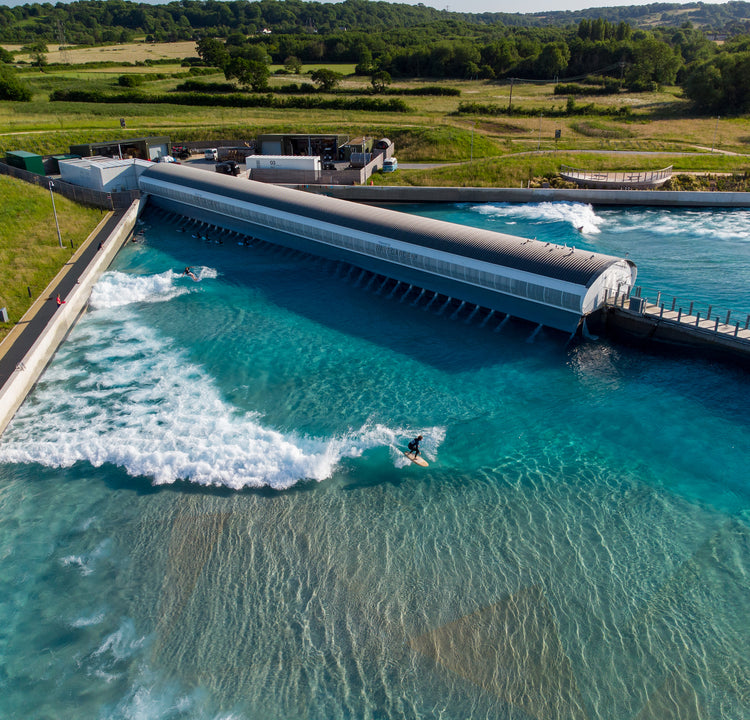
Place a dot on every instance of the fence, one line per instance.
(82, 195)
(644, 178)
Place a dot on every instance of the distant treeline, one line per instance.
(391, 40)
(395, 105)
(107, 21)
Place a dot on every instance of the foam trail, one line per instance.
(116, 289)
(143, 406)
(708, 223)
(581, 217)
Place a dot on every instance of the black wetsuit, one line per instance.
(414, 446)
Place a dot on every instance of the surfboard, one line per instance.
(418, 460)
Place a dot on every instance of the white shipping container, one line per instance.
(283, 162)
(103, 174)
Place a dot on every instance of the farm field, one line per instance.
(432, 131)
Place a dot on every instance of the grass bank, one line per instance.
(30, 255)
(521, 169)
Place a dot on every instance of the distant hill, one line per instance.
(98, 22)
(726, 18)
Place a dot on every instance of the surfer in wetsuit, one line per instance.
(189, 271)
(414, 445)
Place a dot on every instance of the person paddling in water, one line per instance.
(414, 445)
(189, 271)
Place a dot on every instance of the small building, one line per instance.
(146, 148)
(25, 161)
(103, 173)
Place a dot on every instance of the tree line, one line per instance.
(106, 21)
(388, 40)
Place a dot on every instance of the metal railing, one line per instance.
(82, 195)
(645, 177)
(673, 309)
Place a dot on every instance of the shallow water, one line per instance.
(204, 513)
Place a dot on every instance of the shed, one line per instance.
(25, 161)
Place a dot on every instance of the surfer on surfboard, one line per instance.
(189, 271)
(413, 452)
(414, 445)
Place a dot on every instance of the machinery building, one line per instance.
(146, 148)
(544, 283)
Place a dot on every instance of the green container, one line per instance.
(25, 161)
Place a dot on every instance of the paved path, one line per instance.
(25, 333)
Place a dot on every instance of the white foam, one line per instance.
(709, 223)
(88, 621)
(121, 644)
(142, 405)
(116, 289)
(581, 217)
(86, 562)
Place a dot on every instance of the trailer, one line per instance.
(283, 162)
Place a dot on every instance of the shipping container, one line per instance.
(283, 162)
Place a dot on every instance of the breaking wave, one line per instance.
(120, 393)
(581, 217)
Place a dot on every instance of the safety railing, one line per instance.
(673, 309)
(644, 177)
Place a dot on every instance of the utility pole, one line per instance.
(540, 133)
(510, 99)
(54, 212)
(716, 129)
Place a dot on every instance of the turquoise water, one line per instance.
(204, 514)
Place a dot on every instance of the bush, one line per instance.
(11, 88)
(130, 81)
(395, 105)
(206, 87)
(608, 87)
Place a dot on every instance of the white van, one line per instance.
(211, 154)
(390, 165)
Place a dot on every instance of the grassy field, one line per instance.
(432, 131)
(30, 254)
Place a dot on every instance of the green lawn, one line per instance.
(30, 254)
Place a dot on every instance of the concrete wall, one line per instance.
(14, 392)
(658, 198)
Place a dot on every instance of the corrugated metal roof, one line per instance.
(577, 266)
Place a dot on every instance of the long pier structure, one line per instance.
(544, 283)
